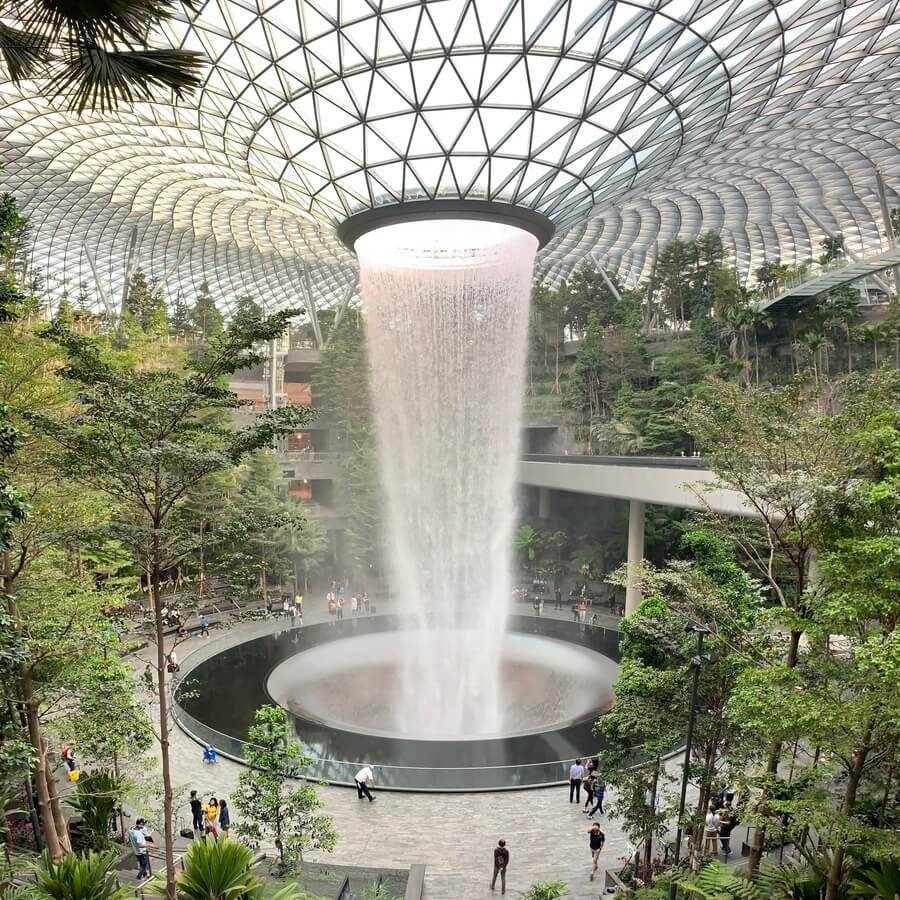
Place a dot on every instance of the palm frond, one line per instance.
(94, 21)
(95, 78)
(23, 52)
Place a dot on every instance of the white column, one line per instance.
(635, 550)
(273, 375)
(543, 503)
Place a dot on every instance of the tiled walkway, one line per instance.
(453, 834)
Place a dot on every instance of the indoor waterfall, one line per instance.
(446, 305)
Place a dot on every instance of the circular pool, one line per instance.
(336, 680)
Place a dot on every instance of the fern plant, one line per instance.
(96, 798)
(716, 881)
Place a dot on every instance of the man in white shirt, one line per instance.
(711, 833)
(364, 779)
(576, 775)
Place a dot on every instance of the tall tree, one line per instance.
(784, 452)
(206, 317)
(145, 438)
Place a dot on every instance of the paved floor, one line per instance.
(453, 834)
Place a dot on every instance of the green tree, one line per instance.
(145, 308)
(306, 548)
(206, 318)
(786, 452)
(340, 393)
(268, 798)
(144, 438)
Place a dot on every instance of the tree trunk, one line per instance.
(30, 707)
(756, 847)
(62, 828)
(202, 564)
(51, 836)
(836, 868)
(648, 844)
(156, 566)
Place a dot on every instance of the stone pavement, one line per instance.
(453, 834)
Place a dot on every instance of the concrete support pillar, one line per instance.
(543, 503)
(273, 375)
(635, 550)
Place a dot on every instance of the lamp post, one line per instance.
(696, 662)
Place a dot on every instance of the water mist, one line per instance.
(447, 313)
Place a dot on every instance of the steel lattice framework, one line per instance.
(628, 124)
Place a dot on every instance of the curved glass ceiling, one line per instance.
(627, 123)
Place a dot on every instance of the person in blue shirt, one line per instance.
(140, 845)
(204, 626)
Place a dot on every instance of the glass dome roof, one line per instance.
(627, 124)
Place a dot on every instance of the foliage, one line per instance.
(79, 876)
(269, 803)
(95, 55)
(97, 796)
(546, 890)
(342, 397)
(222, 870)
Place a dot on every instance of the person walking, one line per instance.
(196, 814)
(285, 608)
(576, 774)
(364, 779)
(149, 683)
(596, 838)
(340, 607)
(268, 606)
(354, 605)
(204, 626)
(501, 861)
(211, 812)
(224, 817)
(590, 788)
(711, 833)
(599, 791)
(140, 842)
(293, 614)
(365, 601)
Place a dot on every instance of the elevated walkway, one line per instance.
(840, 272)
(660, 481)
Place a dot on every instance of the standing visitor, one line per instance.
(366, 602)
(196, 814)
(148, 679)
(268, 606)
(501, 861)
(727, 823)
(576, 773)
(340, 607)
(68, 755)
(224, 817)
(211, 811)
(354, 605)
(172, 664)
(558, 597)
(711, 833)
(596, 838)
(285, 608)
(204, 626)
(293, 615)
(140, 846)
(364, 779)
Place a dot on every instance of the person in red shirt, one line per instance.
(501, 861)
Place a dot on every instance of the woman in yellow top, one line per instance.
(211, 815)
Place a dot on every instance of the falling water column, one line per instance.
(446, 315)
